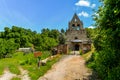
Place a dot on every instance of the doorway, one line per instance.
(77, 47)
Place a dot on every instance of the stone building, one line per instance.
(76, 37)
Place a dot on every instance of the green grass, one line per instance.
(16, 78)
(87, 55)
(9, 63)
(35, 72)
(28, 62)
(14, 69)
(45, 54)
(1, 69)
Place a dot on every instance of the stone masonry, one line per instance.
(76, 37)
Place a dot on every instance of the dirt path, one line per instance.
(70, 67)
(24, 74)
(8, 75)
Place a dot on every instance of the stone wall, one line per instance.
(77, 32)
(81, 34)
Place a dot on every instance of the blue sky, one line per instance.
(39, 14)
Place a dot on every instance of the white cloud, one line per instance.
(85, 3)
(93, 5)
(91, 27)
(85, 14)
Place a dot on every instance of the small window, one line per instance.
(76, 37)
(73, 25)
(75, 20)
(78, 24)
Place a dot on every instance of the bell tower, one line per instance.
(76, 37)
(75, 23)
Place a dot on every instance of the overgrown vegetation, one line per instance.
(28, 62)
(89, 54)
(106, 59)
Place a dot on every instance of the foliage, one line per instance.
(47, 39)
(13, 38)
(62, 31)
(91, 33)
(80, 51)
(7, 47)
(16, 78)
(89, 54)
(14, 69)
(106, 42)
(62, 38)
(9, 63)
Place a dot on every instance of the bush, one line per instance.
(91, 61)
(80, 51)
(114, 74)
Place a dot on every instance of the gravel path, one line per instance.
(70, 67)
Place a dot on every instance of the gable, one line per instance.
(75, 18)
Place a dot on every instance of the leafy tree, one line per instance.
(2, 48)
(7, 30)
(62, 31)
(62, 38)
(54, 34)
(107, 40)
(91, 33)
(13, 38)
(8, 47)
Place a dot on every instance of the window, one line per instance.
(76, 37)
(78, 24)
(73, 25)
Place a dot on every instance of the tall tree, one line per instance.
(62, 31)
(107, 40)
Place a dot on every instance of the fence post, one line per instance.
(39, 62)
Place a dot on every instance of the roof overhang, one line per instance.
(76, 41)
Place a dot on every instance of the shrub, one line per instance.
(80, 51)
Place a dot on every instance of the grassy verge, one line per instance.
(28, 62)
(9, 63)
(35, 72)
(87, 55)
(1, 69)
(16, 78)
(19, 59)
(14, 69)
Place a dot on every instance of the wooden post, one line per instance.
(39, 62)
(38, 56)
